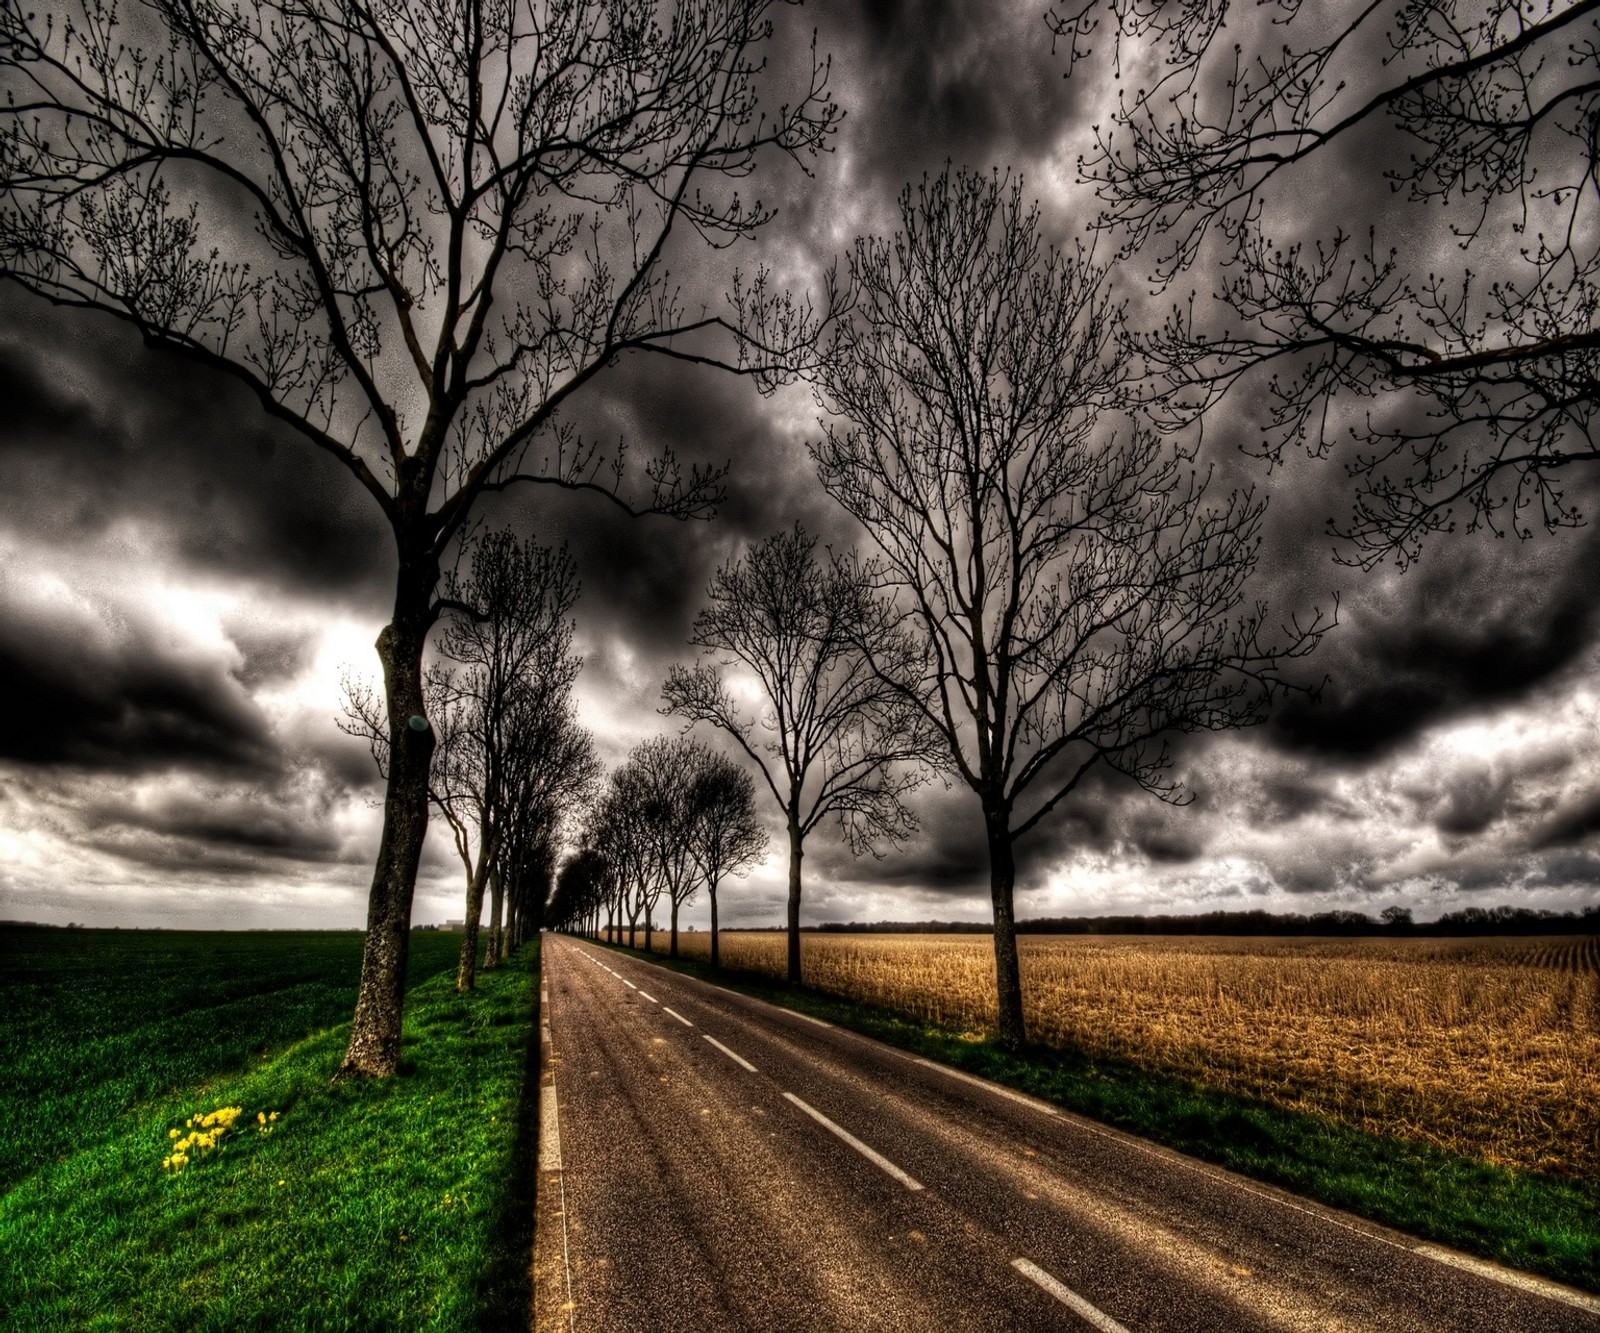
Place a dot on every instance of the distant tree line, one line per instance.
(1500, 920)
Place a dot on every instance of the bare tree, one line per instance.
(551, 773)
(622, 829)
(509, 635)
(1459, 350)
(843, 744)
(669, 770)
(582, 892)
(1055, 590)
(414, 230)
(726, 837)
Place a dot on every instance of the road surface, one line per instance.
(709, 1162)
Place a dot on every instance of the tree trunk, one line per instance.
(716, 953)
(1002, 882)
(374, 1048)
(491, 956)
(672, 952)
(796, 850)
(649, 929)
(467, 964)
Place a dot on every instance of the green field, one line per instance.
(405, 1203)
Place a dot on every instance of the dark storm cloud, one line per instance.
(1481, 623)
(121, 702)
(239, 829)
(105, 431)
(1576, 822)
(923, 83)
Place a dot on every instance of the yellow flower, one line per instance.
(261, 1117)
(172, 1133)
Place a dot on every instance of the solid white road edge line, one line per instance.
(1069, 1298)
(737, 1059)
(876, 1158)
(1512, 1278)
(549, 1130)
(678, 1016)
(987, 1086)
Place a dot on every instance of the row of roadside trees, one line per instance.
(415, 230)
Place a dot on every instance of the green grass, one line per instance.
(404, 1203)
(93, 1022)
(1539, 1223)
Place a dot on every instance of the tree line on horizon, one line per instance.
(416, 230)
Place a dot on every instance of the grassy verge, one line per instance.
(399, 1204)
(95, 1022)
(1539, 1223)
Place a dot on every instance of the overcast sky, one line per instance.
(182, 585)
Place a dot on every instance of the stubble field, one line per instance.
(1485, 1047)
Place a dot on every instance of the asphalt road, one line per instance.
(711, 1162)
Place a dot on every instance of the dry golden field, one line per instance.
(1486, 1047)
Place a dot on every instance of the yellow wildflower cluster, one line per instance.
(206, 1131)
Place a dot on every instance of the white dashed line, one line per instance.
(628, 984)
(876, 1158)
(646, 995)
(677, 1015)
(1069, 1298)
(737, 1059)
(797, 1014)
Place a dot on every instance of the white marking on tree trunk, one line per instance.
(876, 1158)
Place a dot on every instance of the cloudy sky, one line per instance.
(182, 585)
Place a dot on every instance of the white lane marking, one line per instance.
(549, 1130)
(677, 1015)
(737, 1059)
(1069, 1298)
(987, 1086)
(629, 984)
(876, 1158)
(646, 995)
(797, 1014)
(1522, 1281)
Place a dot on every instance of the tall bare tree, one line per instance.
(622, 827)
(726, 837)
(551, 774)
(414, 229)
(1055, 591)
(509, 636)
(1459, 350)
(510, 762)
(668, 771)
(843, 744)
